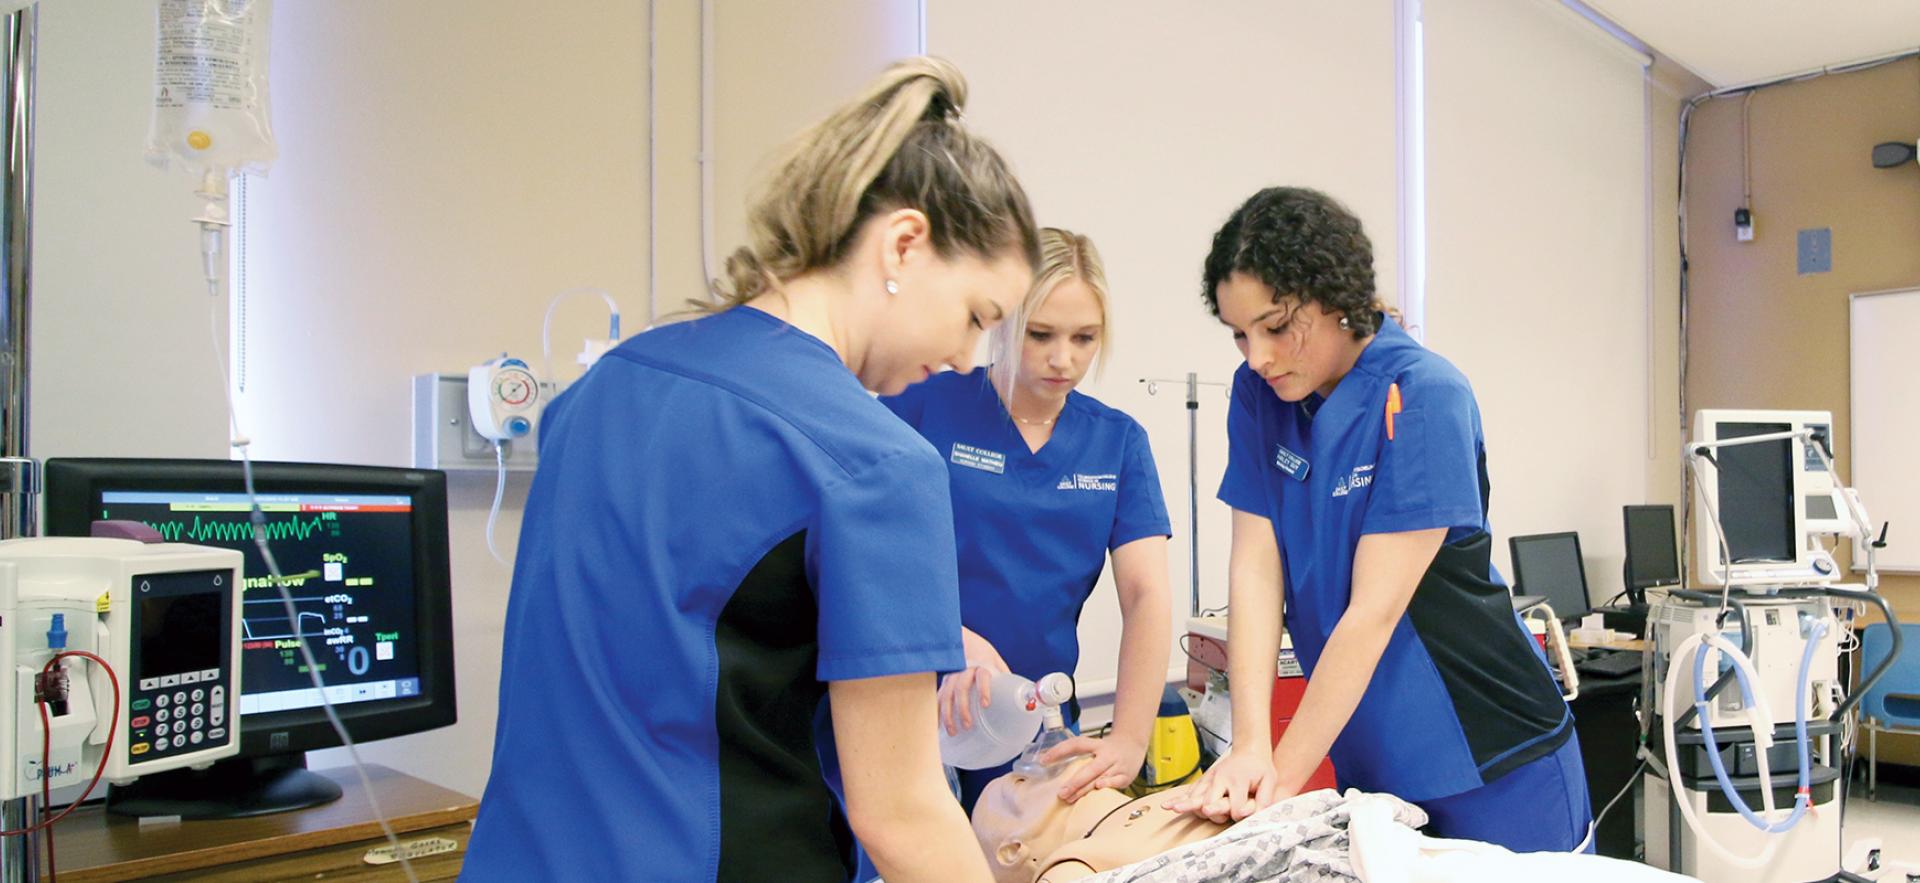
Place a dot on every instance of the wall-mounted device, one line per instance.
(504, 397)
(444, 436)
(1893, 154)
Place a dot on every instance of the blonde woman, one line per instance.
(1048, 483)
(726, 531)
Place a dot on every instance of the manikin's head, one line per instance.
(1020, 820)
(1030, 835)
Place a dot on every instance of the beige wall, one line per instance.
(1761, 335)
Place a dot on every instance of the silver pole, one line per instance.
(19, 856)
(1193, 488)
(1193, 477)
(18, 518)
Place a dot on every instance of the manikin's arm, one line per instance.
(897, 798)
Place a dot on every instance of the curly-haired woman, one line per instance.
(1357, 475)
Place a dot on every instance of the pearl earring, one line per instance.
(893, 287)
(1345, 325)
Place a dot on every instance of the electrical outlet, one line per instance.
(443, 433)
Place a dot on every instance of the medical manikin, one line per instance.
(1031, 836)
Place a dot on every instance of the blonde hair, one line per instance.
(1064, 255)
(900, 144)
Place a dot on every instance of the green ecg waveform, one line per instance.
(292, 527)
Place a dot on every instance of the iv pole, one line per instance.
(1193, 383)
(20, 855)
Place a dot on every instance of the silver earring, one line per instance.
(893, 287)
(1345, 325)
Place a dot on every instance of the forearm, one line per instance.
(1253, 650)
(897, 799)
(923, 835)
(1144, 647)
(1339, 680)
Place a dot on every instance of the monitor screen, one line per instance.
(1652, 559)
(348, 562)
(1549, 565)
(1756, 494)
(364, 551)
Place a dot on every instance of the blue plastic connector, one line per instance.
(57, 632)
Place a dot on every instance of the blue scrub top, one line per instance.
(1033, 528)
(1462, 694)
(722, 522)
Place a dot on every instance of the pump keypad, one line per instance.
(176, 713)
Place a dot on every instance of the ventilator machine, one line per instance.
(1749, 713)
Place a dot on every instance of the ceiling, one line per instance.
(1736, 42)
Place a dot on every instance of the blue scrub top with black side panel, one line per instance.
(1033, 528)
(1462, 694)
(722, 522)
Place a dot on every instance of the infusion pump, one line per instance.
(165, 616)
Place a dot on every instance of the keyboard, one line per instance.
(1607, 663)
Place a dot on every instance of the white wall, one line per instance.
(1144, 128)
(430, 197)
(1537, 269)
(121, 358)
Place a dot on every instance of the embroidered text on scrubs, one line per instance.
(1080, 482)
(1361, 477)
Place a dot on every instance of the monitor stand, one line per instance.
(1631, 618)
(229, 789)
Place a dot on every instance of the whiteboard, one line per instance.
(1885, 372)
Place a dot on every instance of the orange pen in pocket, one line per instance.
(1393, 407)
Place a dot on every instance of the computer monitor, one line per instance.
(364, 550)
(1549, 565)
(1652, 559)
(1770, 497)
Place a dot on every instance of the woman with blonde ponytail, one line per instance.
(1048, 484)
(728, 535)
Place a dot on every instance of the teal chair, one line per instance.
(1893, 705)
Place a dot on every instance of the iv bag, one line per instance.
(210, 86)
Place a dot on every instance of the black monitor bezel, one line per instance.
(1520, 578)
(1673, 547)
(72, 489)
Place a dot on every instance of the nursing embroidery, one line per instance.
(979, 458)
(1359, 478)
(1081, 482)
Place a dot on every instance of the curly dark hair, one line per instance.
(1301, 243)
